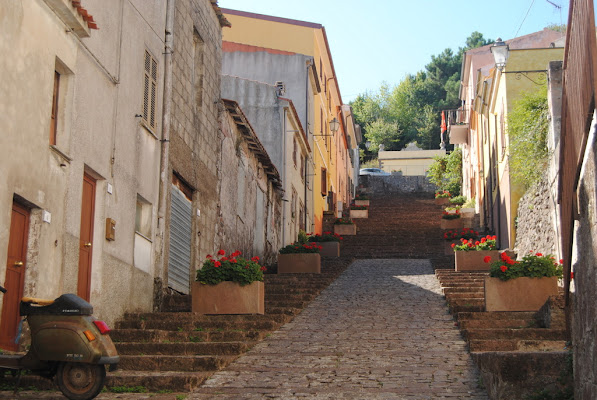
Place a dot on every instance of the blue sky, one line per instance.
(382, 41)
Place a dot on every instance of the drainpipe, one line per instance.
(306, 134)
(284, 180)
(165, 149)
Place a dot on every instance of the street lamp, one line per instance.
(367, 144)
(334, 125)
(500, 51)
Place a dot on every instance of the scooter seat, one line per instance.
(41, 302)
(66, 304)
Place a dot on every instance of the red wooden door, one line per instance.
(86, 238)
(14, 281)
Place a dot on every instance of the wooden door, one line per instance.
(14, 280)
(86, 238)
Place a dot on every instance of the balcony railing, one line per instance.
(457, 125)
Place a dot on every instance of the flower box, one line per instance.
(519, 294)
(359, 213)
(362, 203)
(299, 263)
(442, 200)
(467, 212)
(228, 298)
(345, 229)
(329, 249)
(452, 223)
(474, 260)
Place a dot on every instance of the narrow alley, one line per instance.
(382, 330)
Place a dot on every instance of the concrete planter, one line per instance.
(459, 134)
(442, 200)
(362, 203)
(300, 263)
(359, 213)
(473, 260)
(452, 224)
(329, 249)
(467, 212)
(228, 298)
(519, 294)
(345, 229)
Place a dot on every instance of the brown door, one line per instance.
(86, 238)
(14, 280)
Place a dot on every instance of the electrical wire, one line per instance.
(524, 19)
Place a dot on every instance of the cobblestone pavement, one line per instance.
(380, 331)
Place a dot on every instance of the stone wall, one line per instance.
(396, 184)
(584, 324)
(535, 223)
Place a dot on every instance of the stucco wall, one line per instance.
(383, 185)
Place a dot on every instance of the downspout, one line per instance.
(165, 149)
(285, 181)
(307, 134)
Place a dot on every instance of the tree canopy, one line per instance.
(410, 111)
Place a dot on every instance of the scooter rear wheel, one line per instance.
(80, 381)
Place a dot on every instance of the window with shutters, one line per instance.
(198, 69)
(150, 91)
(321, 120)
(303, 168)
(54, 119)
(181, 217)
(294, 148)
(301, 216)
(293, 204)
(324, 184)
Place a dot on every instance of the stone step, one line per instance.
(460, 289)
(526, 334)
(493, 315)
(268, 324)
(496, 324)
(159, 336)
(156, 381)
(189, 348)
(195, 363)
(476, 295)
(478, 345)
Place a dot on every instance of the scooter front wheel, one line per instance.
(80, 381)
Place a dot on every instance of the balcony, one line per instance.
(458, 125)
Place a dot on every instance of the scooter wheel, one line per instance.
(80, 381)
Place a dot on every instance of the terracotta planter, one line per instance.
(442, 200)
(305, 263)
(519, 294)
(452, 223)
(362, 203)
(329, 249)
(345, 229)
(473, 260)
(228, 298)
(359, 213)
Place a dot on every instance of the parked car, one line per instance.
(373, 171)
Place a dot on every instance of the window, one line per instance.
(303, 162)
(325, 84)
(321, 120)
(301, 216)
(150, 88)
(143, 217)
(320, 68)
(198, 69)
(293, 204)
(324, 182)
(294, 151)
(54, 120)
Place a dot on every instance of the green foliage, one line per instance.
(343, 221)
(532, 266)
(361, 197)
(302, 237)
(446, 172)
(325, 237)
(458, 200)
(448, 216)
(486, 243)
(230, 269)
(355, 207)
(528, 126)
(298, 248)
(127, 389)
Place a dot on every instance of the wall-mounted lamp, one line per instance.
(501, 52)
(334, 125)
(368, 144)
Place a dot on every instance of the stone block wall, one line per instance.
(394, 184)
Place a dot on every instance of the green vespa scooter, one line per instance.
(67, 344)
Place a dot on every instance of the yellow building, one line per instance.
(490, 93)
(330, 159)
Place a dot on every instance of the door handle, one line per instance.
(87, 244)
(18, 263)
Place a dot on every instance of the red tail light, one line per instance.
(103, 327)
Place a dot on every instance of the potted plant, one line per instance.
(458, 200)
(329, 242)
(452, 209)
(454, 236)
(361, 200)
(451, 220)
(523, 285)
(344, 227)
(359, 211)
(442, 197)
(473, 255)
(468, 209)
(229, 285)
(299, 258)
